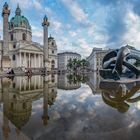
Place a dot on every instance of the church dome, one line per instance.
(18, 20)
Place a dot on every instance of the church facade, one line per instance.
(17, 48)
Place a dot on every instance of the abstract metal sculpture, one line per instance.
(120, 62)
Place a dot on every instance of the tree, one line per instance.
(77, 64)
(84, 63)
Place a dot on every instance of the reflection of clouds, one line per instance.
(82, 97)
(55, 115)
(37, 106)
(137, 105)
(79, 113)
(132, 124)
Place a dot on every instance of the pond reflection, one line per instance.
(64, 82)
(70, 106)
(18, 94)
(119, 95)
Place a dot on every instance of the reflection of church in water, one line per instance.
(18, 95)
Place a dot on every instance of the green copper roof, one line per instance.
(18, 20)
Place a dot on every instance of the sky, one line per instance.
(80, 25)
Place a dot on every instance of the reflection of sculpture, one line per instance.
(118, 95)
(117, 62)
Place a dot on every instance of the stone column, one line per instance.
(34, 60)
(29, 84)
(19, 59)
(39, 59)
(5, 14)
(29, 61)
(45, 116)
(45, 25)
(24, 59)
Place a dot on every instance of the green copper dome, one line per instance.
(19, 21)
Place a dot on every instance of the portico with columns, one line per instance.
(29, 56)
(29, 59)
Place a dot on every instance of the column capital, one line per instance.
(5, 9)
(45, 21)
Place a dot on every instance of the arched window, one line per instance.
(11, 37)
(53, 64)
(14, 46)
(24, 105)
(23, 36)
(14, 57)
(12, 25)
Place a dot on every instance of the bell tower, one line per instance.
(5, 48)
(45, 25)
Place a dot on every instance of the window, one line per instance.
(52, 43)
(14, 85)
(12, 25)
(53, 64)
(14, 46)
(11, 37)
(24, 105)
(14, 57)
(12, 105)
(53, 52)
(23, 36)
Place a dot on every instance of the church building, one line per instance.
(17, 49)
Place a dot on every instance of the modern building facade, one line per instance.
(96, 57)
(17, 48)
(63, 59)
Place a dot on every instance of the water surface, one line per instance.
(68, 107)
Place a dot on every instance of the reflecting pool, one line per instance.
(69, 107)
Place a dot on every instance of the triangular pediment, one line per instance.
(31, 47)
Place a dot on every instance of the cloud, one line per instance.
(37, 34)
(56, 25)
(86, 48)
(48, 11)
(26, 4)
(75, 10)
(72, 33)
(62, 43)
(132, 35)
(36, 4)
(23, 4)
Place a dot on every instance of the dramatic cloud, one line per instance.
(132, 35)
(37, 34)
(79, 25)
(28, 3)
(75, 10)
